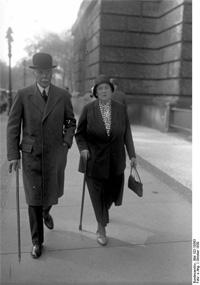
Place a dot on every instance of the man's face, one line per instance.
(43, 76)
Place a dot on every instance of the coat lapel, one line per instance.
(36, 98)
(114, 112)
(98, 116)
(53, 98)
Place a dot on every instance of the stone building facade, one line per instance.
(147, 46)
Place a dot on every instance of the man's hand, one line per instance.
(85, 154)
(13, 165)
(66, 145)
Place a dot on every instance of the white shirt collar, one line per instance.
(41, 89)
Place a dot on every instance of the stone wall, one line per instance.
(142, 45)
(86, 46)
(147, 45)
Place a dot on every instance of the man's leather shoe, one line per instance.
(36, 251)
(48, 221)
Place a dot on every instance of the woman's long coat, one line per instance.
(43, 127)
(107, 153)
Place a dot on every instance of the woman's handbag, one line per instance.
(134, 183)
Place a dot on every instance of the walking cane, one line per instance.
(18, 212)
(83, 196)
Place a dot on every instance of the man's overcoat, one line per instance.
(43, 128)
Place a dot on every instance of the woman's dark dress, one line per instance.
(107, 161)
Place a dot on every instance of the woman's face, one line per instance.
(104, 92)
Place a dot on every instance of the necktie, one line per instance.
(44, 95)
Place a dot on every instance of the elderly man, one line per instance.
(40, 129)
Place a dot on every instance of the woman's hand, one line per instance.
(85, 154)
(13, 165)
(133, 162)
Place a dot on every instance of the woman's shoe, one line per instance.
(101, 238)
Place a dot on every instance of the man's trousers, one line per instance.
(36, 215)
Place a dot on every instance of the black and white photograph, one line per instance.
(99, 142)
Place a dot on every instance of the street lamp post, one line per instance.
(24, 73)
(10, 39)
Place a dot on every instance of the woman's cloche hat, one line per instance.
(42, 60)
(102, 78)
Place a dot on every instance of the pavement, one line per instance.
(149, 238)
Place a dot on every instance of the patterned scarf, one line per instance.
(106, 115)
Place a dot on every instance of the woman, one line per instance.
(102, 134)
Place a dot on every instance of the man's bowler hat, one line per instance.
(42, 60)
